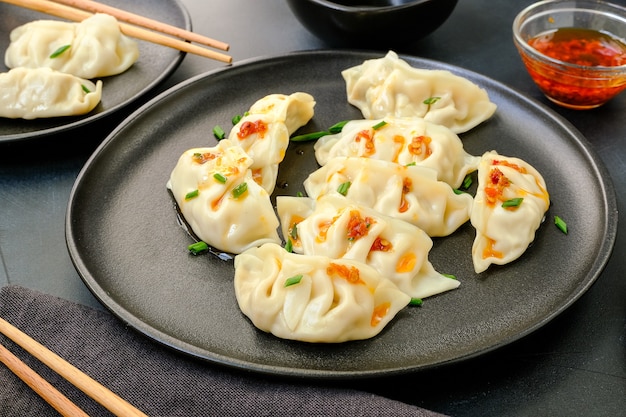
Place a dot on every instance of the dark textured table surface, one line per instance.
(575, 365)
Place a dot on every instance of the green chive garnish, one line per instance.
(343, 188)
(560, 223)
(514, 202)
(59, 51)
(336, 128)
(218, 132)
(289, 246)
(449, 276)
(198, 247)
(293, 280)
(299, 194)
(294, 231)
(236, 119)
(467, 182)
(431, 100)
(416, 302)
(411, 164)
(239, 190)
(379, 125)
(192, 194)
(85, 89)
(219, 178)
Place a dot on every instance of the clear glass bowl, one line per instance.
(565, 83)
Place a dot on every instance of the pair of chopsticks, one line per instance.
(56, 399)
(78, 10)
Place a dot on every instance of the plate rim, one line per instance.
(596, 268)
(88, 119)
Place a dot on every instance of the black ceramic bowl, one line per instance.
(371, 23)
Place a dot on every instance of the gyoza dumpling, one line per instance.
(219, 199)
(404, 141)
(510, 204)
(264, 132)
(389, 86)
(335, 227)
(31, 93)
(313, 298)
(410, 193)
(95, 47)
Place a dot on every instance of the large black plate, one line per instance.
(155, 64)
(125, 241)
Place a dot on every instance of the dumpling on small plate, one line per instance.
(335, 227)
(314, 298)
(510, 205)
(389, 86)
(404, 141)
(31, 93)
(265, 129)
(219, 199)
(409, 193)
(93, 48)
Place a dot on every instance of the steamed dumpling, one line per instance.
(95, 47)
(409, 193)
(264, 132)
(31, 93)
(504, 233)
(331, 301)
(404, 141)
(219, 199)
(335, 227)
(389, 86)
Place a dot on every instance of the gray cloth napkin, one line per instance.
(157, 380)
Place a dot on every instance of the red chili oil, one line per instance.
(586, 48)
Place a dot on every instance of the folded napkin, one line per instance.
(157, 380)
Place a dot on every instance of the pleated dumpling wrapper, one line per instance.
(90, 49)
(314, 298)
(409, 193)
(265, 130)
(510, 205)
(389, 86)
(404, 141)
(31, 93)
(335, 227)
(220, 200)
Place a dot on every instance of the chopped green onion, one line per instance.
(59, 51)
(294, 231)
(239, 190)
(379, 125)
(431, 100)
(198, 247)
(293, 280)
(218, 132)
(192, 194)
(236, 119)
(219, 178)
(337, 127)
(411, 164)
(457, 191)
(85, 89)
(560, 223)
(449, 276)
(467, 182)
(289, 246)
(416, 302)
(514, 202)
(309, 136)
(343, 188)
(299, 194)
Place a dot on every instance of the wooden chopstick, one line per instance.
(135, 19)
(42, 387)
(75, 376)
(70, 13)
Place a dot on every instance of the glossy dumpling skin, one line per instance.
(333, 226)
(389, 86)
(264, 132)
(503, 234)
(409, 193)
(335, 300)
(97, 47)
(31, 93)
(404, 141)
(216, 215)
